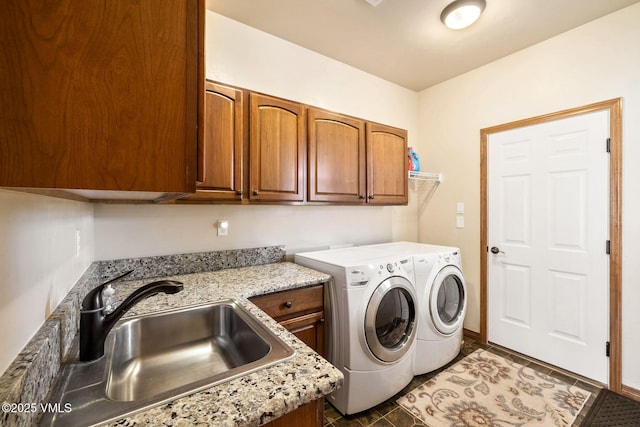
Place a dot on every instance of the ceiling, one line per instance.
(403, 41)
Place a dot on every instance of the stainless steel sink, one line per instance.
(155, 358)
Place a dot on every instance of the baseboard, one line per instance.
(631, 392)
(471, 334)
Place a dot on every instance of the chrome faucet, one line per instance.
(95, 323)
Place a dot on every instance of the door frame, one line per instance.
(615, 222)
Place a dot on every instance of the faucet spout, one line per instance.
(95, 324)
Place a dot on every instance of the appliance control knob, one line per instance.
(390, 268)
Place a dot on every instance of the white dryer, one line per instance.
(442, 300)
(372, 319)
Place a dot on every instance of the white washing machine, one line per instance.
(442, 301)
(372, 319)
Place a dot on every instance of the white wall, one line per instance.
(595, 62)
(243, 56)
(38, 262)
(140, 230)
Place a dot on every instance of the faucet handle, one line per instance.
(93, 300)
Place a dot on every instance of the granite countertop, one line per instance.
(255, 398)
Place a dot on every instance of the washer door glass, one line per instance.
(448, 300)
(390, 319)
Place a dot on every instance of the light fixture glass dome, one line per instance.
(462, 13)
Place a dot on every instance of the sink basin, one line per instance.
(155, 358)
(154, 354)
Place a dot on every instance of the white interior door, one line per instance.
(548, 207)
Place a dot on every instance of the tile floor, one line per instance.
(390, 414)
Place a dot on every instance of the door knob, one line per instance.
(496, 250)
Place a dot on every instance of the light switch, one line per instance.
(460, 221)
(460, 207)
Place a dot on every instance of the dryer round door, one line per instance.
(448, 300)
(390, 319)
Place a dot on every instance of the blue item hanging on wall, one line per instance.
(414, 160)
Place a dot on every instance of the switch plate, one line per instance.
(460, 221)
(223, 227)
(460, 207)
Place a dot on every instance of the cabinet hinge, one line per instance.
(608, 145)
(607, 350)
(608, 247)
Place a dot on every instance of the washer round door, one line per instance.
(390, 319)
(448, 300)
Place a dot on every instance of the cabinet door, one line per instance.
(220, 151)
(101, 95)
(277, 149)
(386, 165)
(336, 157)
(309, 329)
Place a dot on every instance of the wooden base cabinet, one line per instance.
(309, 415)
(301, 311)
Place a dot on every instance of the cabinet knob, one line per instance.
(371, 197)
(239, 192)
(288, 304)
(255, 192)
(361, 196)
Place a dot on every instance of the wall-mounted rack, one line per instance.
(425, 184)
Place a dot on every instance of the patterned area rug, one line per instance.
(486, 390)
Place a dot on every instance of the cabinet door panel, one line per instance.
(336, 158)
(277, 149)
(220, 153)
(387, 164)
(309, 329)
(100, 95)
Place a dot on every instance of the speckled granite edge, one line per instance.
(256, 398)
(30, 376)
(168, 265)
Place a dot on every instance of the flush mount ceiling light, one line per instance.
(462, 13)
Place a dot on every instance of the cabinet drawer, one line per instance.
(282, 305)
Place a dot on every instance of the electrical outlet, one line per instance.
(223, 227)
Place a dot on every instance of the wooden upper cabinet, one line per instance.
(220, 151)
(336, 157)
(277, 149)
(387, 165)
(101, 95)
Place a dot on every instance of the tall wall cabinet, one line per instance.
(101, 95)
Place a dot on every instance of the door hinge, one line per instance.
(607, 350)
(608, 145)
(608, 247)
